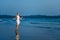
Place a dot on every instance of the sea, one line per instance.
(30, 28)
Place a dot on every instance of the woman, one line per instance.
(17, 20)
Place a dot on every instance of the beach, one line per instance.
(30, 29)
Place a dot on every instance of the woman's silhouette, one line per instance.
(17, 20)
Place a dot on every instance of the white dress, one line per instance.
(18, 20)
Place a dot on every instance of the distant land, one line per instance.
(31, 16)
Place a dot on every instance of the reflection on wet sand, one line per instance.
(16, 27)
(17, 35)
(16, 32)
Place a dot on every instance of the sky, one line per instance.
(30, 7)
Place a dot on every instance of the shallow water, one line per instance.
(30, 29)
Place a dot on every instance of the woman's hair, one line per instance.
(17, 13)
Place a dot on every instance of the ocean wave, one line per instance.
(30, 16)
(55, 28)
